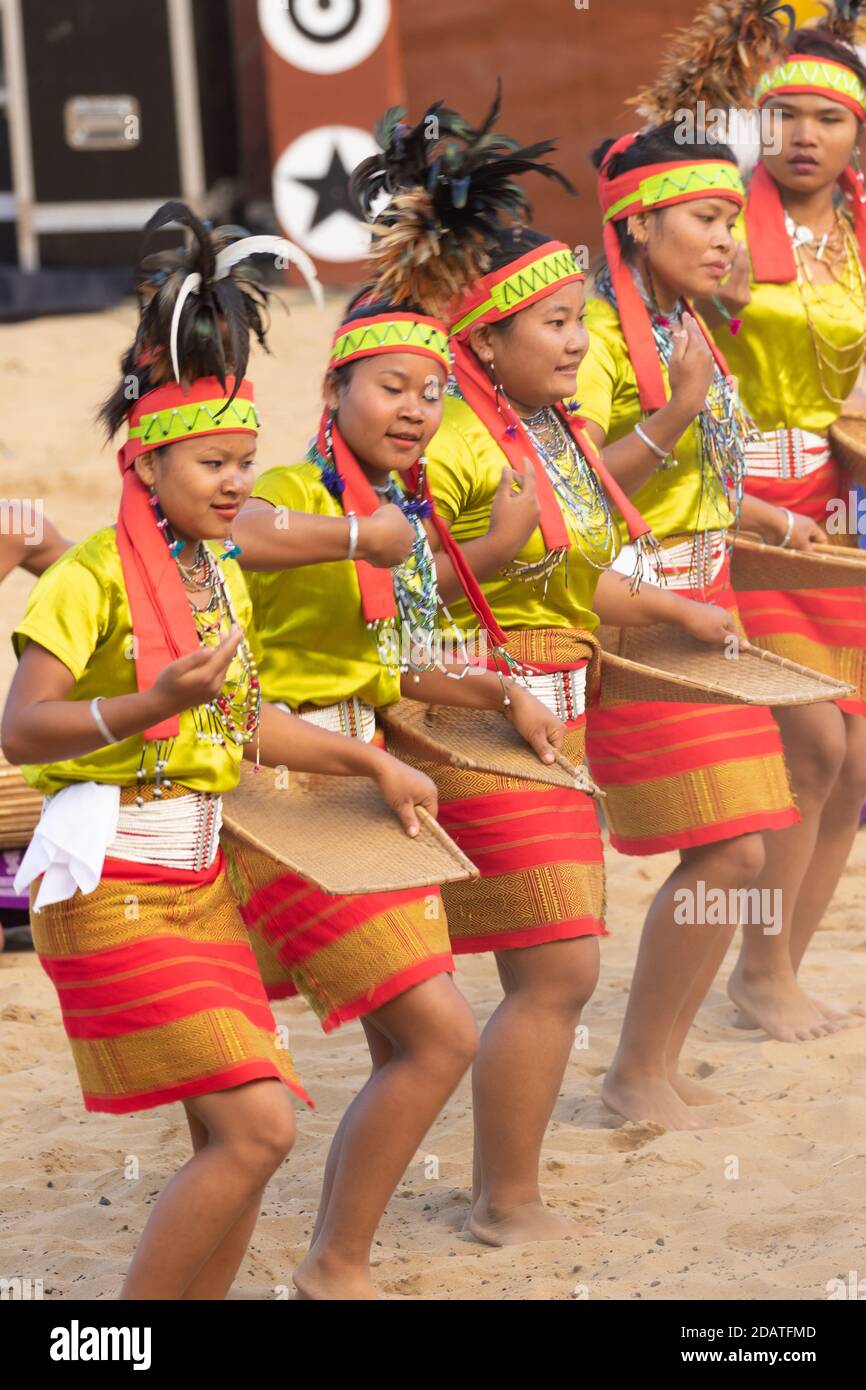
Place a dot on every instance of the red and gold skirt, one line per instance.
(346, 955)
(679, 775)
(821, 628)
(538, 847)
(159, 989)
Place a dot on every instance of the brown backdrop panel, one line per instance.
(331, 112)
(565, 72)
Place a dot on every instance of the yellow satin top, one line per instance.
(316, 646)
(671, 502)
(464, 467)
(774, 356)
(79, 611)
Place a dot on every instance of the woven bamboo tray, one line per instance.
(20, 807)
(660, 663)
(848, 438)
(755, 565)
(337, 833)
(479, 740)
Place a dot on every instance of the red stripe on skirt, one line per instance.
(526, 830)
(649, 741)
(693, 735)
(301, 919)
(707, 835)
(236, 1075)
(829, 617)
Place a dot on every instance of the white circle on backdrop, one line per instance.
(324, 36)
(340, 236)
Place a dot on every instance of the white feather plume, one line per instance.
(282, 250)
(190, 286)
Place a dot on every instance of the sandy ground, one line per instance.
(764, 1203)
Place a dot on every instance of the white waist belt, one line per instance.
(695, 563)
(691, 563)
(787, 454)
(563, 692)
(181, 832)
(85, 823)
(352, 717)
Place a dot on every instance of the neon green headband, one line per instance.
(200, 417)
(674, 183)
(803, 75)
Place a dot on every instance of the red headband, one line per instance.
(524, 281)
(633, 313)
(162, 624)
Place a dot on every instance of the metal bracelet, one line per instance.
(100, 722)
(661, 454)
(789, 532)
(354, 528)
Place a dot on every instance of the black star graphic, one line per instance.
(331, 190)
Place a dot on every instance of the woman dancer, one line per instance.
(517, 339)
(797, 353)
(135, 698)
(705, 780)
(385, 958)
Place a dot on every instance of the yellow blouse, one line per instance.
(316, 646)
(79, 611)
(774, 356)
(464, 469)
(671, 502)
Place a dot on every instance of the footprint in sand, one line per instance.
(634, 1136)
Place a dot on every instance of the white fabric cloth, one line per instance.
(69, 844)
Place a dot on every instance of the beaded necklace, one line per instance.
(416, 592)
(840, 249)
(233, 716)
(576, 486)
(722, 427)
(577, 489)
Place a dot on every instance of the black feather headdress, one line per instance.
(437, 197)
(843, 19)
(198, 305)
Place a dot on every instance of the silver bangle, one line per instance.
(354, 528)
(100, 722)
(661, 454)
(789, 532)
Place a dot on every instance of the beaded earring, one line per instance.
(174, 546)
(330, 474)
(500, 397)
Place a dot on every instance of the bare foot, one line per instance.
(321, 1279)
(693, 1093)
(777, 1004)
(646, 1097)
(534, 1221)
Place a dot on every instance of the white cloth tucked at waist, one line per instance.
(84, 824)
(563, 692)
(788, 454)
(352, 717)
(690, 564)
